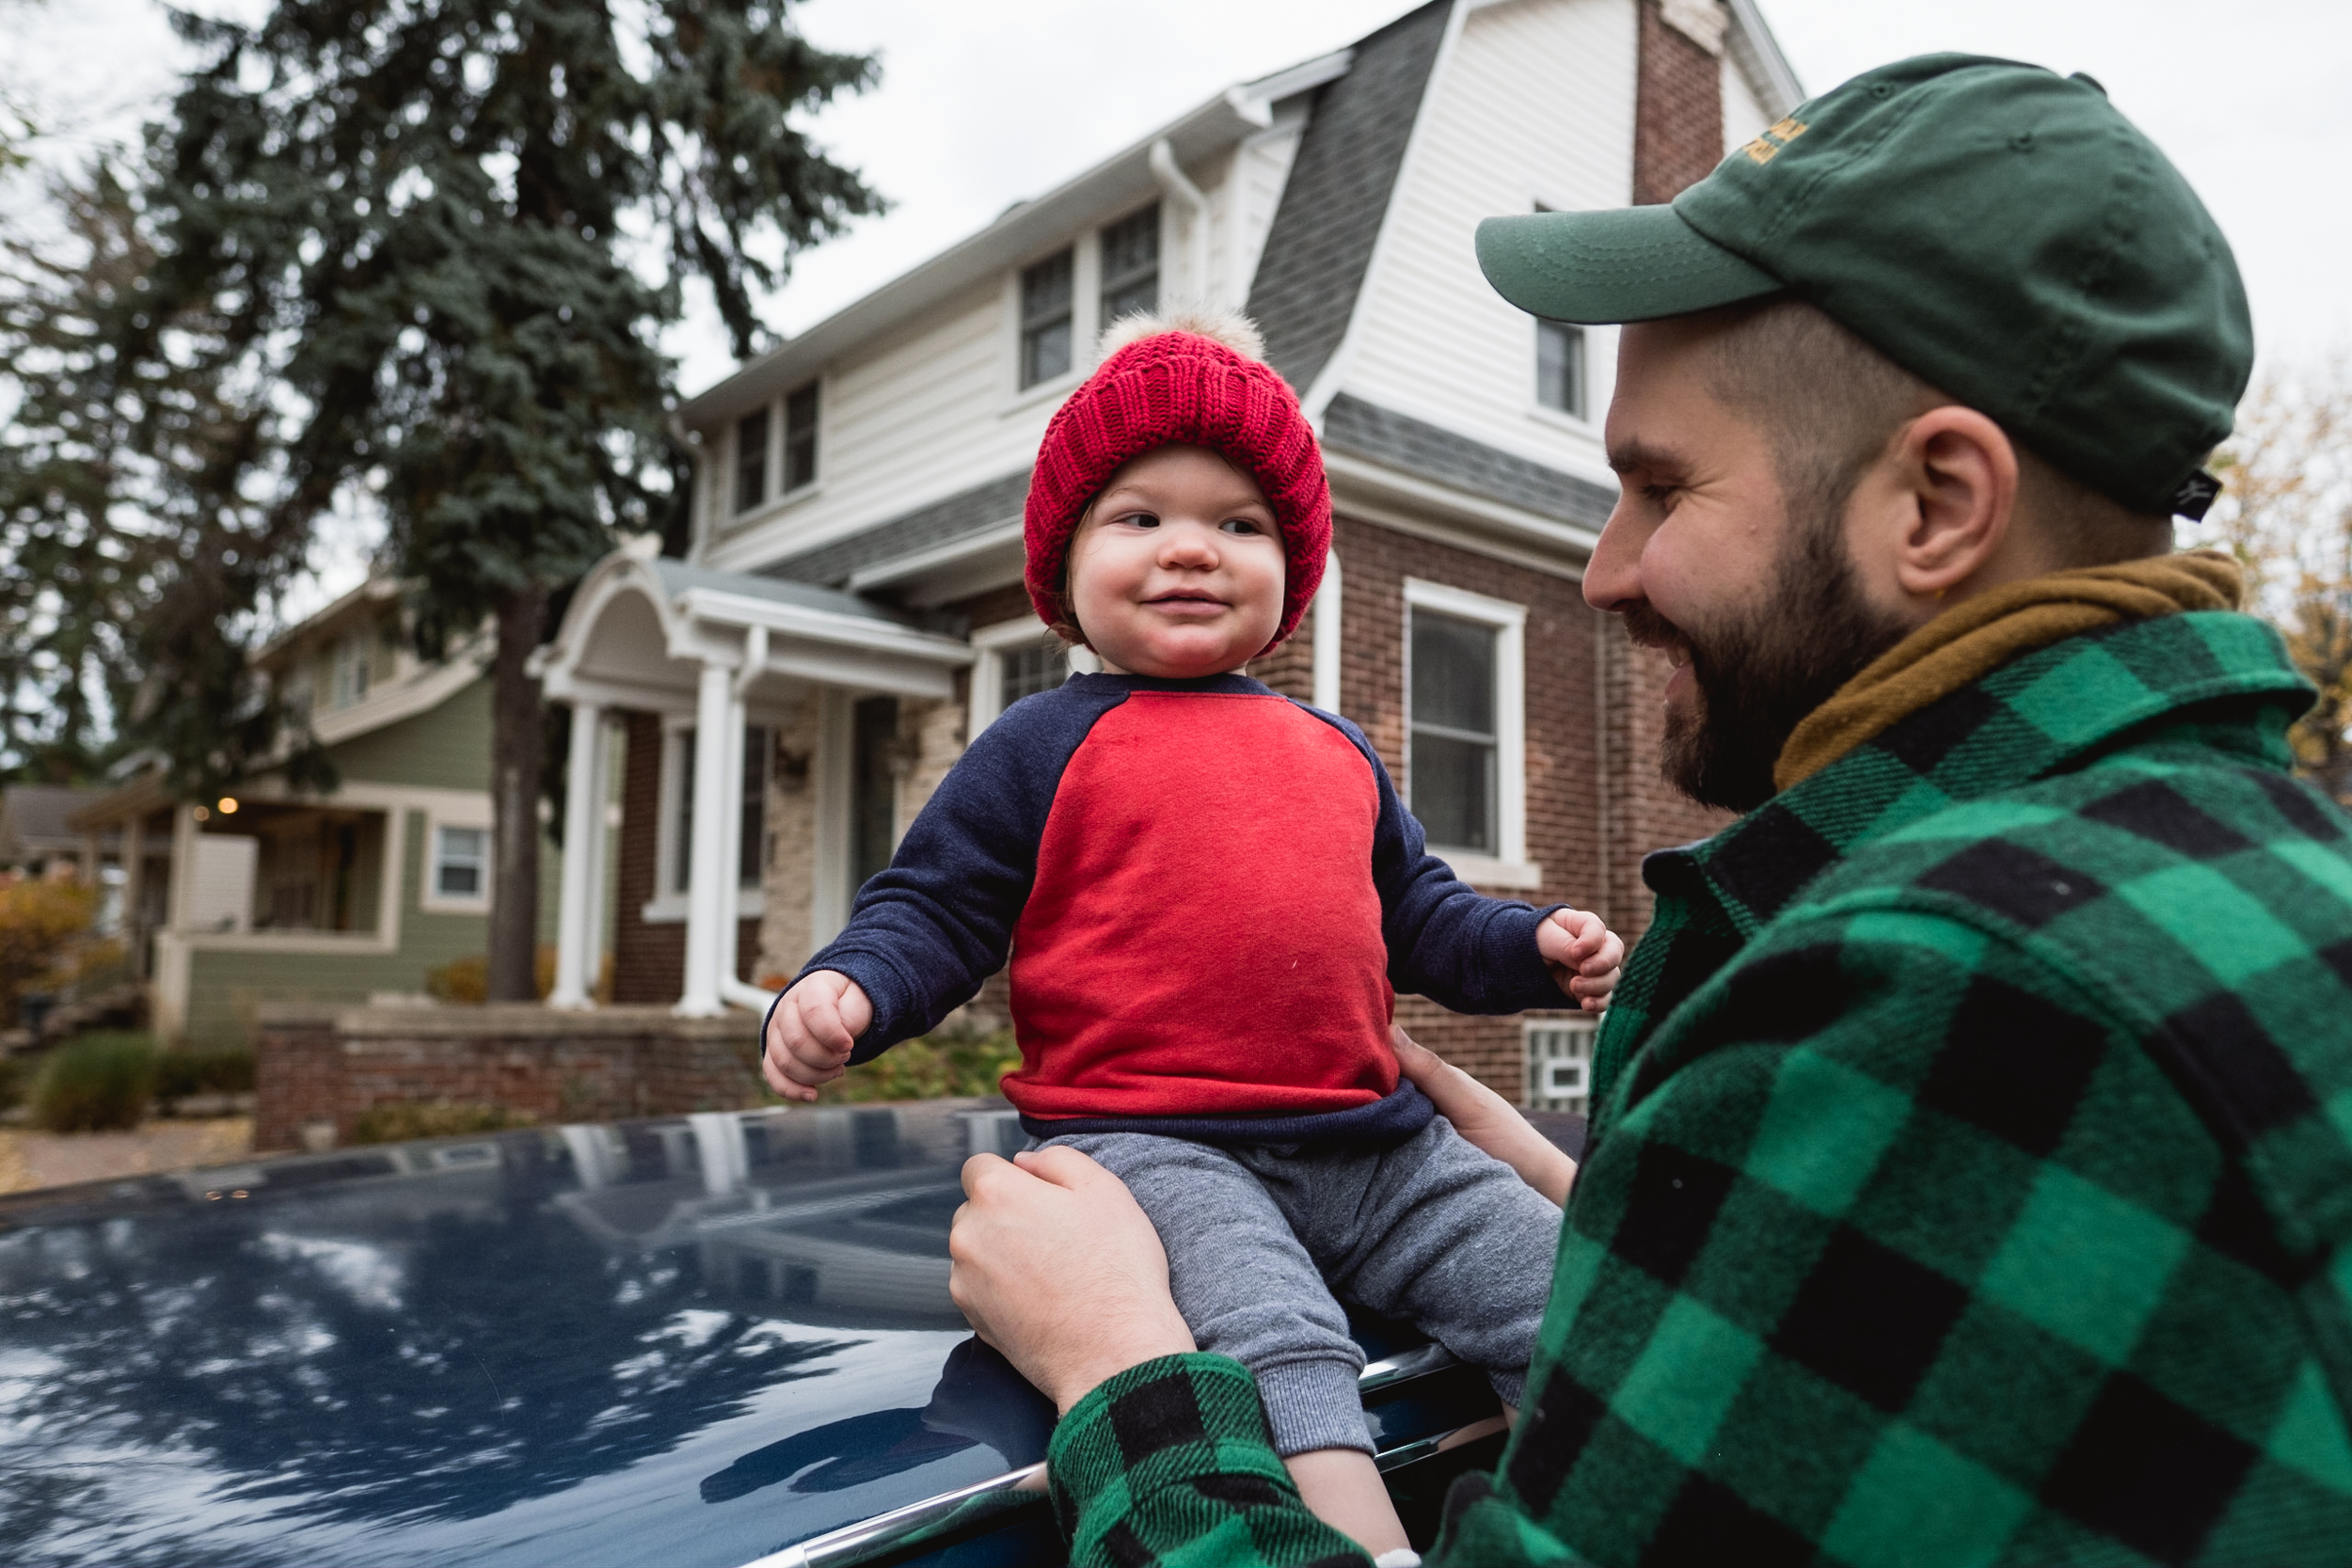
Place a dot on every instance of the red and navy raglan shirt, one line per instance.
(1210, 895)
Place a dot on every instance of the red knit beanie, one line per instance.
(1184, 380)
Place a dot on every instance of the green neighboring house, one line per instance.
(270, 897)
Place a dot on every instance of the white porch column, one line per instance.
(584, 814)
(1328, 645)
(706, 868)
(134, 891)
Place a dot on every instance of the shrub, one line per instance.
(38, 922)
(95, 1082)
(182, 1073)
(936, 1067)
(12, 1076)
(467, 979)
(393, 1121)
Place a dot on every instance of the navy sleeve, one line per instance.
(1446, 941)
(924, 933)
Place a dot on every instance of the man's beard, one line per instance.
(1755, 679)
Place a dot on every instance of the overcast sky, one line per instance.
(982, 104)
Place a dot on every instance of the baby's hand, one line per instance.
(1583, 954)
(811, 1033)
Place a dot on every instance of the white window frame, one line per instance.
(1583, 422)
(988, 667)
(1509, 867)
(1546, 1041)
(668, 905)
(1086, 283)
(824, 404)
(430, 898)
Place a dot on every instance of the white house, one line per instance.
(782, 701)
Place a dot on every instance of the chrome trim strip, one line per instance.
(886, 1532)
(1025, 1488)
(1396, 1369)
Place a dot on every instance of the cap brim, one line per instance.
(1630, 264)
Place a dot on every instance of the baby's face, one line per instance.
(1177, 571)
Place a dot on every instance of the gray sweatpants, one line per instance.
(1433, 1232)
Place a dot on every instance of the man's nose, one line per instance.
(1612, 577)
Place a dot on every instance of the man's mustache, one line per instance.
(1649, 629)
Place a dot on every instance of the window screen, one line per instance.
(1045, 294)
(752, 851)
(1038, 667)
(459, 862)
(1451, 767)
(682, 868)
(1131, 265)
(873, 790)
(800, 437)
(751, 460)
(1560, 367)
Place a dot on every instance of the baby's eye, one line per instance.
(1140, 519)
(1243, 525)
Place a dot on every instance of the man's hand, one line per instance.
(1057, 1266)
(812, 1032)
(1486, 1119)
(1583, 954)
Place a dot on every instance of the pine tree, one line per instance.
(445, 235)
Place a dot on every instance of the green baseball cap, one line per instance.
(1997, 230)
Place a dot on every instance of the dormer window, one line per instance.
(799, 438)
(1560, 367)
(1045, 323)
(1131, 265)
(751, 460)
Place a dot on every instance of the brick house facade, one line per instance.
(849, 610)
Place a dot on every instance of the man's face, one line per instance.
(1749, 590)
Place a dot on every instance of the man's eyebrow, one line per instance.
(1625, 456)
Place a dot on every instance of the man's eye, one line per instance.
(1661, 496)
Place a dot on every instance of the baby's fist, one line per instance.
(811, 1033)
(1583, 954)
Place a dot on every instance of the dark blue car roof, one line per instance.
(687, 1341)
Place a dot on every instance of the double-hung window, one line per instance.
(751, 460)
(751, 850)
(1131, 265)
(461, 857)
(799, 438)
(1560, 367)
(1016, 659)
(1046, 326)
(1466, 730)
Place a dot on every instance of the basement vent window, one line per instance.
(1045, 321)
(1560, 1062)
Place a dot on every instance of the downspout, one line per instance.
(1186, 194)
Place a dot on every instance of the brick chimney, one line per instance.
(1677, 97)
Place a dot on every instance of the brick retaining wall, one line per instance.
(329, 1065)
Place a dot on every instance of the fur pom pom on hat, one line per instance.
(1190, 379)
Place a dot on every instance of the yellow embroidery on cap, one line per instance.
(1767, 146)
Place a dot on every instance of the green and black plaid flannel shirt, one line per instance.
(1972, 1183)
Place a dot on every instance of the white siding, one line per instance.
(1532, 107)
(1744, 114)
(932, 408)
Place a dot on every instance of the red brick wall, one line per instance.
(649, 958)
(1563, 775)
(554, 1067)
(1678, 110)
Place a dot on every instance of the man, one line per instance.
(1969, 1180)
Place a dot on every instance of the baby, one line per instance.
(1210, 895)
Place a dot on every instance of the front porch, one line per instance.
(766, 738)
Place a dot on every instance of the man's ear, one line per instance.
(1960, 472)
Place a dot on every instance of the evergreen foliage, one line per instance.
(419, 247)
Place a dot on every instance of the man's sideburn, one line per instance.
(1756, 678)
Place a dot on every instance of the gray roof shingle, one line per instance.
(1351, 424)
(1320, 245)
(966, 512)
